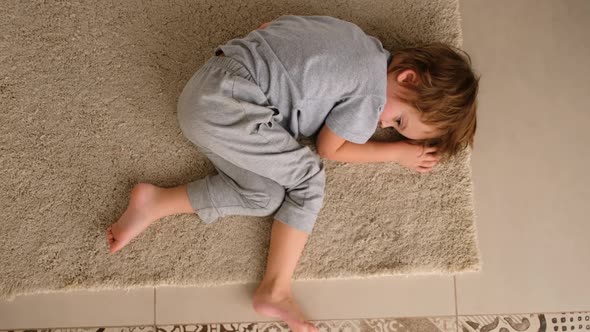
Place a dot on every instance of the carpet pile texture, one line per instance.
(88, 97)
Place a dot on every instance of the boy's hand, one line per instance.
(264, 25)
(416, 157)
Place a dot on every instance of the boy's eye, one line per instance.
(398, 120)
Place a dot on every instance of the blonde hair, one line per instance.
(445, 95)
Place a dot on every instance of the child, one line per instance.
(304, 75)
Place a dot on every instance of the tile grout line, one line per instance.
(456, 305)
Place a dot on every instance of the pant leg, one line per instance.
(226, 112)
(233, 191)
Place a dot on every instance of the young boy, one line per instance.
(304, 75)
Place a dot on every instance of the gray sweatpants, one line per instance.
(260, 167)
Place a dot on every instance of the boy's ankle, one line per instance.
(275, 288)
(170, 201)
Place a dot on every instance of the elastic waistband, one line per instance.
(230, 65)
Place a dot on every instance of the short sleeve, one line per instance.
(355, 118)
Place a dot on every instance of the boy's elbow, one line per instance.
(332, 155)
(326, 154)
(323, 154)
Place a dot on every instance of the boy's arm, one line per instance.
(370, 152)
(331, 146)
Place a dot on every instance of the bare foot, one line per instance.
(281, 306)
(136, 218)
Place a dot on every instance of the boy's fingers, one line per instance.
(429, 158)
(427, 151)
(433, 156)
(428, 163)
(431, 149)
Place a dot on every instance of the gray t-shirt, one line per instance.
(317, 69)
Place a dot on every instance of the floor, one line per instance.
(531, 193)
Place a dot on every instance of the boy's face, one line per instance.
(401, 116)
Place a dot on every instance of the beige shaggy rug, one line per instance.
(88, 109)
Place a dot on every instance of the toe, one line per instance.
(112, 247)
(116, 246)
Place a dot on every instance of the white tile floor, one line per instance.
(529, 165)
(531, 193)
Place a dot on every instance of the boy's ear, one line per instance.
(408, 76)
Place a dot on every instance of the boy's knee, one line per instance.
(184, 122)
(191, 122)
(263, 202)
(268, 202)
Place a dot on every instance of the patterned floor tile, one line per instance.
(546, 322)
(116, 329)
(92, 329)
(539, 322)
(348, 325)
(221, 327)
(426, 324)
